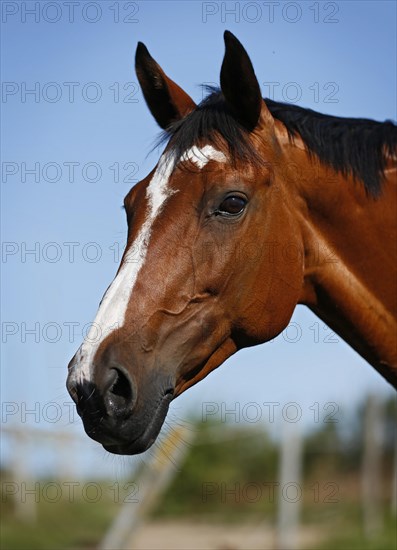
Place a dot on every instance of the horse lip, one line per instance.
(144, 440)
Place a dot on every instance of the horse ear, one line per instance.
(166, 100)
(239, 84)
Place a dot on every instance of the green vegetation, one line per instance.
(225, 478)
(350, 536)
(59, 525)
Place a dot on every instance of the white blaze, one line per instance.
(201, 157)
(113, 308)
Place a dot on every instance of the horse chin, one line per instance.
(138, 446)
(146, 439)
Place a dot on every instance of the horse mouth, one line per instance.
(146, 438)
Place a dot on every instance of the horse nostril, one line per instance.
(121, 386)
(119, 396)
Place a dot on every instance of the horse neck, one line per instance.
(350, 269)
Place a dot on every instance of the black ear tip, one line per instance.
(141, 51)
(229, 38)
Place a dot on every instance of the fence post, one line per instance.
(290, 495)
(372, 465)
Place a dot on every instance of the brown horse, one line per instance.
(254, 206)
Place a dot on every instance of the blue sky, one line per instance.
(87, 132)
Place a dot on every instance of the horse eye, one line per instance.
(232, 205)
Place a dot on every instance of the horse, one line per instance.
(255, 206)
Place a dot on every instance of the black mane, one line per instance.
(352, 146)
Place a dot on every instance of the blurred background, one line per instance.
(291, 444)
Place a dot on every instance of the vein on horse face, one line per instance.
(113, 308)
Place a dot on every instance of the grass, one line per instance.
(350, 536)
(59, 525)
